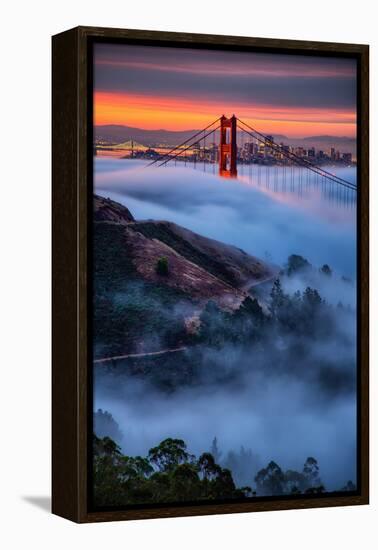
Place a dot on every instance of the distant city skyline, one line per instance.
(180, 89)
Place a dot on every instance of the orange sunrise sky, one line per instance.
(184, 89)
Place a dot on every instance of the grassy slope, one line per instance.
(166, 235)
(128, 310)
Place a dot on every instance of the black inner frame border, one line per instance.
(91, 41)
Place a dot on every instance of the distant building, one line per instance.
(347, 157)
(213, 153)
(249, 150)
(268, 149)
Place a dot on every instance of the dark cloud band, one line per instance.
(293, 81)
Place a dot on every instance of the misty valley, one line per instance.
(224, 338)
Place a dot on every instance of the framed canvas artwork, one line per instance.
(210, 274)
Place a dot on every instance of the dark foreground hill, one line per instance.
(139, 307)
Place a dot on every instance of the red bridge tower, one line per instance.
(227, 147)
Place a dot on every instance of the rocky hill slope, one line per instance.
(199, 267)
(138, 308)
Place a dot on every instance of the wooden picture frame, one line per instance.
(71, 252)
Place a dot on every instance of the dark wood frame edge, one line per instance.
(69, 273)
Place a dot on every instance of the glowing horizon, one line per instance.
(151, 113)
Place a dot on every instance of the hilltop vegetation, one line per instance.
(127, 309)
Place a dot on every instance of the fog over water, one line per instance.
(281, 416)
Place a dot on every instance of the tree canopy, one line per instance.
(169, 473)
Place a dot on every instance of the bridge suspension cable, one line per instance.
(188, 147)
(183, 147)
(292, 156)
(182, 144)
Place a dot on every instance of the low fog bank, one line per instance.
(281, 420)
(261, 221)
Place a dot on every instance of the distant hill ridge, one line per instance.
(118, 134)
(127, 145)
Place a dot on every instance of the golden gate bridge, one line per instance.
(227, 157)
